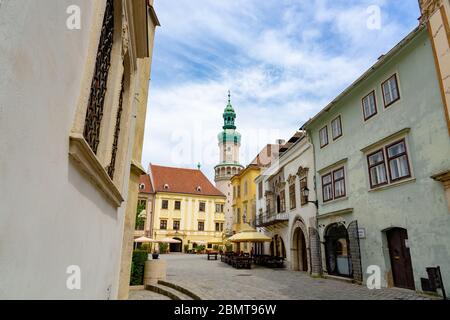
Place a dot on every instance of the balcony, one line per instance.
(268, 219)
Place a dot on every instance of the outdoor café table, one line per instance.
(212, 254)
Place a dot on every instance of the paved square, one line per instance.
(215, 280)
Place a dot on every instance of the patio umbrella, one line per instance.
(168, 240)
(249, 235)
(145, 240)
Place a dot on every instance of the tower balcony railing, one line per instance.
(267, 219)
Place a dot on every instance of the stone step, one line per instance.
(179, 288)
(172, 293)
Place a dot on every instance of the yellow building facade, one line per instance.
(244, 199)
(187, 207)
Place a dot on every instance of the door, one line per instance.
(399, 253)
(304, 256)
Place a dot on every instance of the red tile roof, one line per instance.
(145, 180)
(179, 180)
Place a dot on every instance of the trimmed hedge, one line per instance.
(137, 267)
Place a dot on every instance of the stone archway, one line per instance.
(300, 247)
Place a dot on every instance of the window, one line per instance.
(238, 216)
(245, 188)
(244, 216)
(390, 91)
(217, 227)
(336, 128)
(219, 208)
(377, 169)
(369, 104)
(282, 201)
(165, 204)
(95, 108)
(260, 190)
(163, 224)
(202, 207)
(339, 183)
(398, 161)
(292, 200)
(177, 205)
(238, 191)
(201, 226)
(333, 185)
(176, 225)
(303, 185)
(221, 227)
(141, 186)
(323, 136)
(327, 187)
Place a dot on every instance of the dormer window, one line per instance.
(141, 186)
(199, 189)
(166, 187)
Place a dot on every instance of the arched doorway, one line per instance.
(337, 250)
(300, 259)
(400, 256)
(176, 247)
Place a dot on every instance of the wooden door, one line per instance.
(399, 253)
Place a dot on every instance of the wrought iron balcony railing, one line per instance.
(268, 219)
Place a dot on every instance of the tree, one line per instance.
(139, 221)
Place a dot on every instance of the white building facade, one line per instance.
(284, 213)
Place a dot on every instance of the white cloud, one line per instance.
(283, 61)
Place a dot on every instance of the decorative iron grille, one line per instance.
(112, 165)
(94, 111)
(355, 253)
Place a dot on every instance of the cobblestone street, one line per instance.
(215, 280)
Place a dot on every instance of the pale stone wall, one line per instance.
(52, 216)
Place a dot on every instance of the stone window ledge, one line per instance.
(86, 160)
(393, 185)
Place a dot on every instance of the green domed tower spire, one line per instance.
(229, 115)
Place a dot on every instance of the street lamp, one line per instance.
(305, 195)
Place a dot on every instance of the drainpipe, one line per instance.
(317, 207)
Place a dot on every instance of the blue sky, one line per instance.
(283, 61)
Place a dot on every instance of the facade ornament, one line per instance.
(125, 36)
(428, 8)
(291, 179)
(302, 172)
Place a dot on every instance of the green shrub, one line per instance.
(228, 247)
(215, 247)
(137, 267)
(186, 248)
(200, 248)
(163, 248)
(146, 247)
